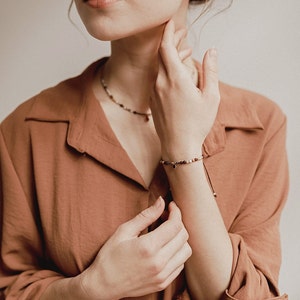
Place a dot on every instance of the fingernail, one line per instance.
(158, 202)
(173, 203)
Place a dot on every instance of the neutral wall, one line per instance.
(259, 49)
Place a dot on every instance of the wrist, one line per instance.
(67, 288)
(179, 154)
(92, 287)
(80, 289)
(83, 284)
(174, 164)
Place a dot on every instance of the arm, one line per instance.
(255, 232)
(254, 235)
(209, 268)
(212, 267)
(189, 112)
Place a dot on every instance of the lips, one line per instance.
(99, 3)
(92, 3)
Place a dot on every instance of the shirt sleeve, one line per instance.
(255, 233)
(24, 273)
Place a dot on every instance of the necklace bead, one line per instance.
(111, 97)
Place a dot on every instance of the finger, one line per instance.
(179, 37)
(168, 50)
(210, 73)
(174, 210)
(162, 72)
(160, 82)
(163, 284)
(177, 261)
(175, 245)
(167, 231)
(185, 53)
(144, 219)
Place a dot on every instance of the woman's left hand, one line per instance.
(183, 114)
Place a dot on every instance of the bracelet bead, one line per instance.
(175, 164)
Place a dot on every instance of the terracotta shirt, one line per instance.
(66, 184)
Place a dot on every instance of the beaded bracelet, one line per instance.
(175, 164)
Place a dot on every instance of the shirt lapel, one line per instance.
(89, 132)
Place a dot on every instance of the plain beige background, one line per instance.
(259, 49)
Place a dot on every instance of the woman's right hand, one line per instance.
(131, 264)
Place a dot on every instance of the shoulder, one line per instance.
(15, 126)
(57, 103)
(246, 104)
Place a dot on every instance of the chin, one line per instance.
(103, 35)
(117, 22)
(102, 31)
(113, 32)
(107, 35)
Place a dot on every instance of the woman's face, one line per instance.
(115, 19)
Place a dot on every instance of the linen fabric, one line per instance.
(66, 184)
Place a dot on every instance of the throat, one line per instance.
(128, 84)
(145, 115)
(141, 143)
(137, 137)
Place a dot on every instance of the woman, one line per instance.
(143, 177)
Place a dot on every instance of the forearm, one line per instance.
(209, 268)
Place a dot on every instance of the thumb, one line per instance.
(135, 226)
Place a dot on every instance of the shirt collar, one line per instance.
(236, 111)
(89, 132)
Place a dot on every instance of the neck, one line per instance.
(132, 67)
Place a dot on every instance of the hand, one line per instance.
(131, 264)
(183, 115)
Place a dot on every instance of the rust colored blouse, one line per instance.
(66, 184)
